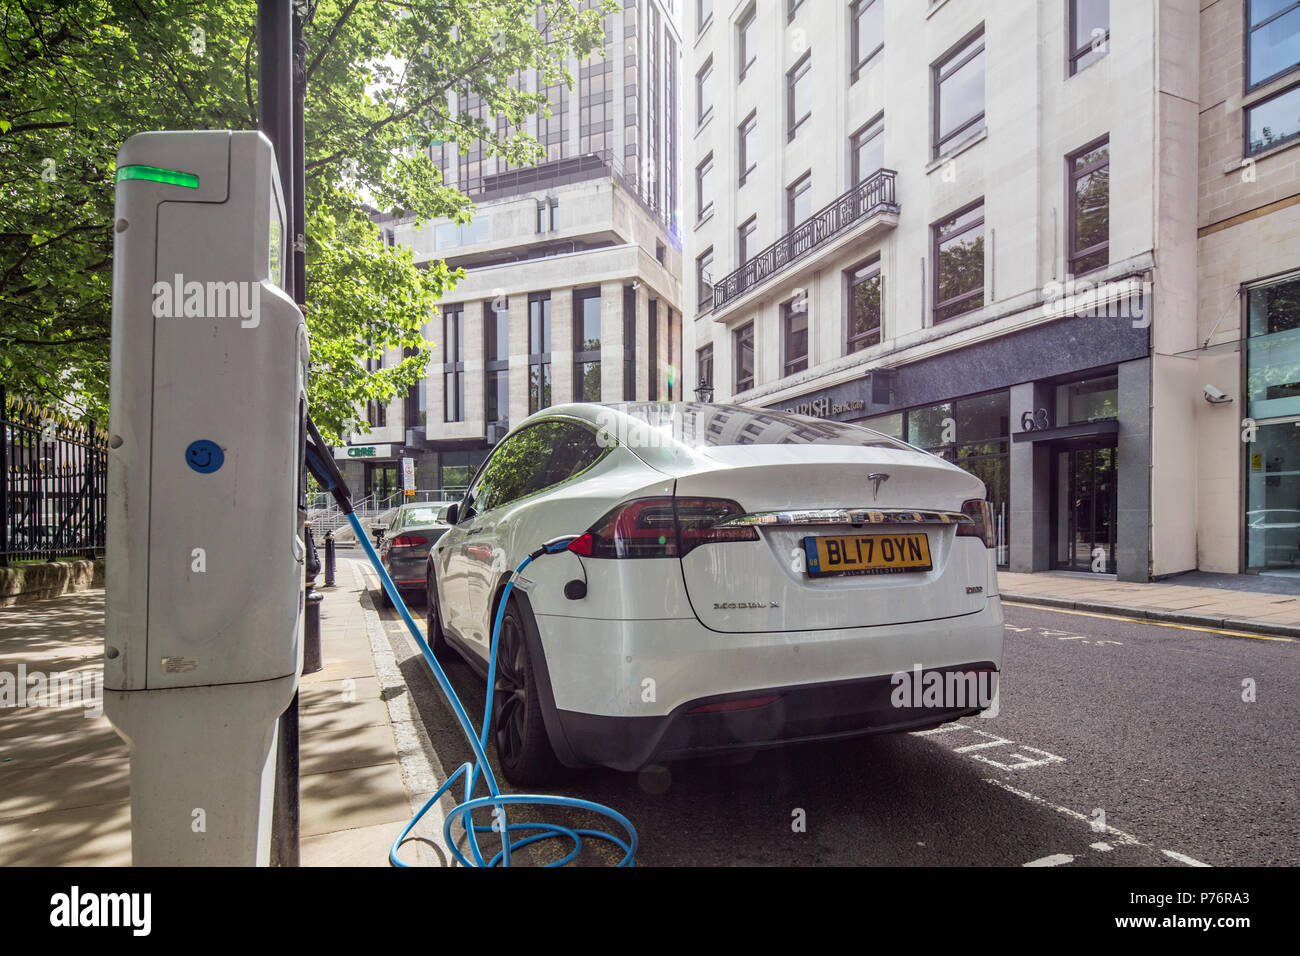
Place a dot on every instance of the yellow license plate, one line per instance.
(867, 554)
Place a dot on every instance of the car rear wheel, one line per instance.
(433, 632)
(520, 733)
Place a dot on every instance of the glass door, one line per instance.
(383, 479)
(1273, 498)
(1085, 485)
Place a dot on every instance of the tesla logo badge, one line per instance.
(877, 480)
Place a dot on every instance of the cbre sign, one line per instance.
(364, 451)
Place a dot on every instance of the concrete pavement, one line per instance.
(1230, 608)
(65, 774)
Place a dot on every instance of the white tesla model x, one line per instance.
(740, 578)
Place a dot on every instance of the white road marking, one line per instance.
(1119, 836)
(1101, 847)
(1025, 761)
(1056, 859)
(993, 741)
(1181, 858)
(946, 728)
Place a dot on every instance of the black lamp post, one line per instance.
(704, 393)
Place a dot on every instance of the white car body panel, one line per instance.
(665, 619)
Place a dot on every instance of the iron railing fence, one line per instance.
(55, 488)
(874, 194)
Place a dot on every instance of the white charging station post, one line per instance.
(203, 641)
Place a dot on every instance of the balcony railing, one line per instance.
(873, 195)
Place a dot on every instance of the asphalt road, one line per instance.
(1115, 743)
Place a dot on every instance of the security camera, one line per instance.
(1214, 396)
(636, 285)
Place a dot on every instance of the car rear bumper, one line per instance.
(627, 693)
(775, 717)
(407, 571)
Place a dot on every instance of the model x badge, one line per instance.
(877, 480)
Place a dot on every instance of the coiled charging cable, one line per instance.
(513, 836)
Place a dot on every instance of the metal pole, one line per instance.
(331, 558)
(299, 160)
(311, 650)
(275, 117)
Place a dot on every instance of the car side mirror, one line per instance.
(453, 512)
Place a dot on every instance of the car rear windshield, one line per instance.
(412, 516)
(698, 426)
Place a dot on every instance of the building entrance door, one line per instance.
(1084, 485)
(383, 479)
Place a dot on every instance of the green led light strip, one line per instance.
(171, 176)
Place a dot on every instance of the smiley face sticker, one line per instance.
(204, 456)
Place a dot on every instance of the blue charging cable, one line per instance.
(513, 836)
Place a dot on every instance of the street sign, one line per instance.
(408, 476)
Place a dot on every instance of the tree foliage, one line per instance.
(83, 76)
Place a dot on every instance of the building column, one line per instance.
(611, 341)
(561, 346)
(1133, 481)
(518, 358)
(474, 401)
(1031, 492)
(642, 342)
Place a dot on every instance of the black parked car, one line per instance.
(404, 547)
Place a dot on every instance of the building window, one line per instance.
(1273, 328)
(376, 412)
(704, 277)
(867, 149)
(959, 95)
(743, 352)
(496, 362)
(745, 150)
(539, 351)
(629, 344)
(794, 335)
(553, 129)
(586, 345)
(652, 332)
(703, 14)
(413, 414)
(866, 34)
(548, 214)
(745, 240)
(865, 286)
(704, 92)
(1090, 208)
(1089, 32)
(798, 200)
(747, 40)
(704, 365)
(798, 95)
(595, 107)
(1273, 40)
(1273, 121)
(958, 254)
(972, 433)
(453, 369)
(704, 187)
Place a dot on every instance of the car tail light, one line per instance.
(661, 528)
(981, 513)
(409, 541)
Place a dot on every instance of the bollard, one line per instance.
(331, 557)
(311, 648)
